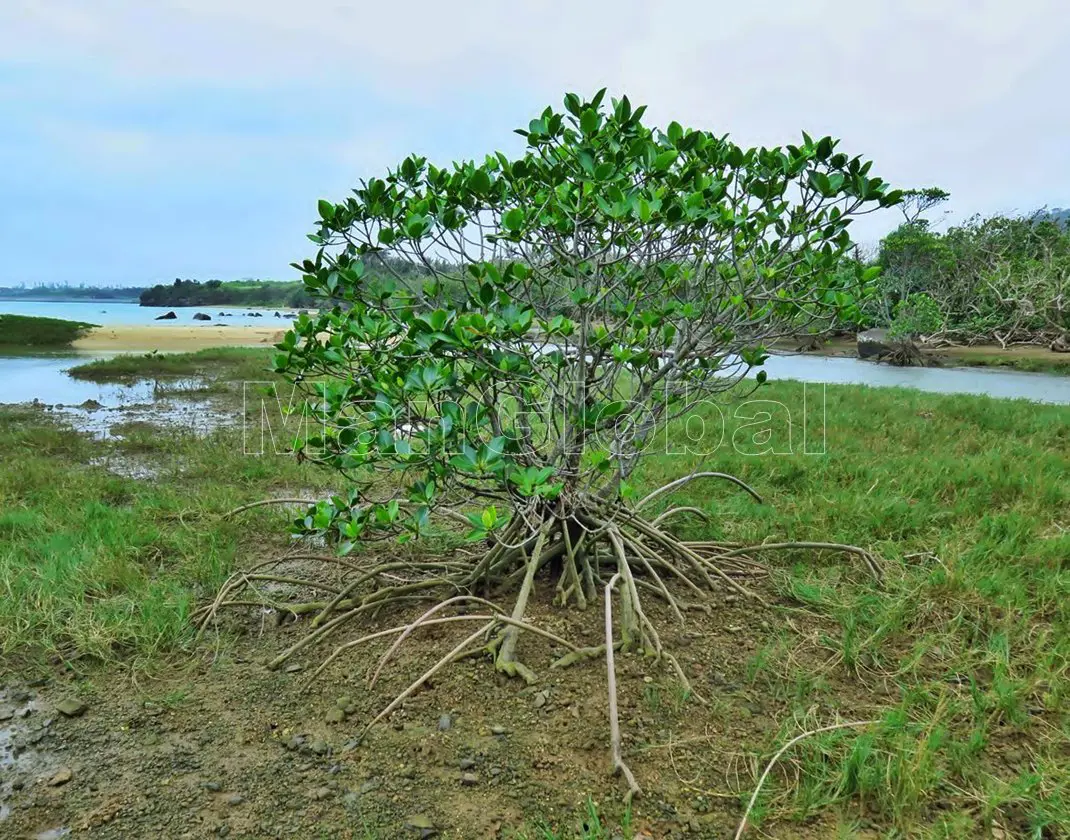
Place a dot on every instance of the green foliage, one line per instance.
(573, 297)
(220, 293)
(999, 278)
(918, 314)
(26, 331)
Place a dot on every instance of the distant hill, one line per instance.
(1057, 214)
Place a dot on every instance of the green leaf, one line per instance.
(326, 210)
(590, 121)
(666, 159)
(479, 182)
(513, 220)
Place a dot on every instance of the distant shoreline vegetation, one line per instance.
(65, 292)
(228, 293)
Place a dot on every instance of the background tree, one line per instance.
(574, 300)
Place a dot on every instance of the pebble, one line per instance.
(336, 715)
(444, 723)
(467, 763)
(497, 729)
(469, 779)
(293, 669)
(320, 793)
(214, 787)
(236, 799)
(319, 747)
(61, 777)
(421, 823)
(344, 702)
(6, 714)
(70, 707)
(540, 699)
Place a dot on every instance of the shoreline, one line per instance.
(176, 339)
(1026, 358)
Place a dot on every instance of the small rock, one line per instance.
(70, 707)
(369, 786)
(407, 773)
(213, 787)
(422, 824)
(24, 712)
(469, 779)
(294, 668)
(344, 702)
(467, 763)
(336, 716)
(540, 699)
(444, 723)
(319, 794)
(202, 316)
(731, 599)
(319, 747)
(497, 729)
(6, 714)
(295, 742)
(236, 799)
(61, 777)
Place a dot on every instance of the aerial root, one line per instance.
(593, 541)
(619, 765)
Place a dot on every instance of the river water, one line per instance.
(24, 378)
(44, 378)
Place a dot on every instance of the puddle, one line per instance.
(23, 759)
(199, 417)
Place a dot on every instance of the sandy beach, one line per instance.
(175, 339)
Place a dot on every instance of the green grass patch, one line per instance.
(26, 331)
(94, 564)
(233, 362)
(962, 657)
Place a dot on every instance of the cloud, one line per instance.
(281, 101)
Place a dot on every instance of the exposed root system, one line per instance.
(594, 546)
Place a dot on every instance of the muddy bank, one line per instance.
(1023, 357)
(123, 338)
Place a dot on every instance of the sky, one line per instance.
(143, 141)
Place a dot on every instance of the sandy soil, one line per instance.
(177, 338)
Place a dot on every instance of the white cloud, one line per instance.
(963, 93)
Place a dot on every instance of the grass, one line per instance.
(25, 331)
(968, 501)
(237, 363)
(962, 658)
(1030, 364)
(96, 565)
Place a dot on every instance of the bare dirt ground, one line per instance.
(224, 747)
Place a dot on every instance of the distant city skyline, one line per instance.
(139, 143)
